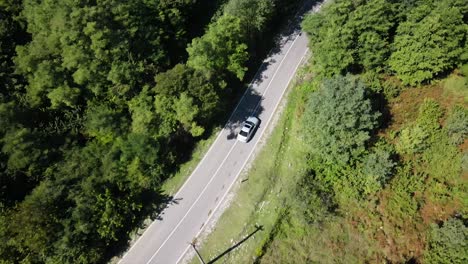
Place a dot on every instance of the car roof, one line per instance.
(246, 128)
(252, 119)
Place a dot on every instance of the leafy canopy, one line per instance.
(222, 47)
(338, 120)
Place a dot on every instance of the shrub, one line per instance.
(412, 140)
(379, 165)
(456, 124)
(429, 43)
(416, 137)
(448, 243)
(338, 120)
(391, 89)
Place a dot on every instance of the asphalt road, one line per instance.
(167, 240)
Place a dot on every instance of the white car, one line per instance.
(248, 129)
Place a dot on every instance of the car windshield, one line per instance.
(250, 124)
(243, 133)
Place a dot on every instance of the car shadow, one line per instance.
(250, 105)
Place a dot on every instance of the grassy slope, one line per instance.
(392, 225)
(366, 230)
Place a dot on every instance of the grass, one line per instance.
(457, 85)
(262, 198)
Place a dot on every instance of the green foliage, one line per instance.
(254, 14)
(418, 136)
(23, 150)
(104, 123)
(141, 108)
(81, 111)
(222, 47)
(429, 114)
(377, 167)
(7, 115)
(185, 99)
(402, 205)
(33, 226)
(63, 96)
(447, 243)
(97, 48)
(457, 85)
(456, 124)
(348, 35)
(391, 89)
(356, 36)
(443, 163)
(332, 47)
(372, 22)
(428, 43)
(384, 202)
(464, 70)
(338, 120)
(373, 50)
(413, 139)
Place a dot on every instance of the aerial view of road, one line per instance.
(167, 239)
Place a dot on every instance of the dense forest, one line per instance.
(101, 101)
(383, 117)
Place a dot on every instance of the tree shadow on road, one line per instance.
(293, 28)
(250, 105)
(158, 201)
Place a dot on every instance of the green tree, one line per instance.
(106, 48)
(456, 124)
(184, 100)
(372, 23)
(419, 135)
(254, 14)
(331, 38)
(377, 168)
(221, 48)
(338, 120)
(447, 243)
(350, 36)
(429, 43)
(34, 224)
(105, 123)
(24, 152)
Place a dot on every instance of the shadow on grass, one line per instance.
(227, 251)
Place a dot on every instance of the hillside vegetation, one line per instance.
(100, 103)
(384, 120)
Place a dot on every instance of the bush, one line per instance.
(416, 137)
(456, 124)
(391, 89)
(338, 120)
(429, 43)
(448, 243)
(378, 166)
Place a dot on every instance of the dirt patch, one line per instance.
(404, 107)
(464, 146)
(435, 212)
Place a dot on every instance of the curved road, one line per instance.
(167, 240)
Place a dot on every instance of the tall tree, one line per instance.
(338, 120)
(184, 98)
(429, 43)
(221, 48)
